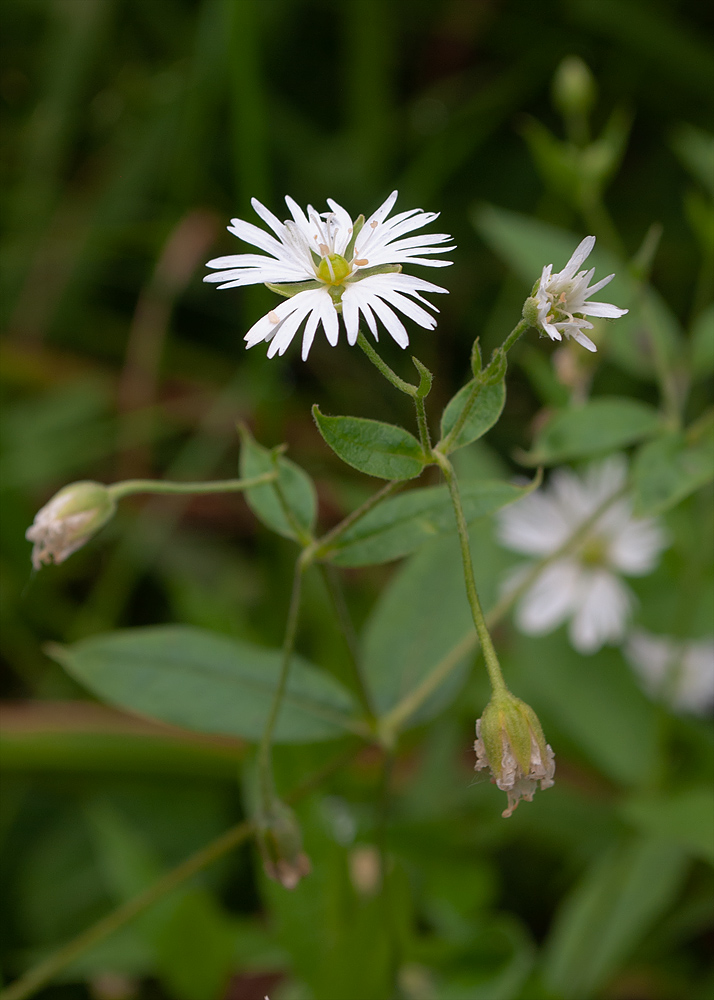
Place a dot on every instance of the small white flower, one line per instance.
(583, 586)
(682, 673)
(561, 300)
(326, 264)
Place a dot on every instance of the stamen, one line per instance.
(324, 249)
(373, 225)
(273, 317)
(360, 263)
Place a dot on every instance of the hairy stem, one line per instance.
(383, 367)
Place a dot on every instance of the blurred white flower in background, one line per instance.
(561, 299)
(324, 263)
(582, 585)
(679, 672)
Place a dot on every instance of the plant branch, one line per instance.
(131, 486)
(321, 547)
(383, 367)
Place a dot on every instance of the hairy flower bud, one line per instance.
(280, 844)
(510, 742)
(68, 520)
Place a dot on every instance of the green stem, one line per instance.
(334, 587)
(391, 376)
(516, 333)
(393, 721)
(130, 486)
(46, 970)
(424, 436)
(264, 750)
(321, 546)
(492, 665)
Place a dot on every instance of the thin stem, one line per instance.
(321, 546)
(334, 587)
(515, 334)
(131, 486)
(264, 750)
(489, 653)
(393, 721)
(46, 970)
(424, 435)
(391, 376)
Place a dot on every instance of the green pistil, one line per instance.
(333, 269)
(593, 551)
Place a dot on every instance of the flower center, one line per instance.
(594, 551)
(333, 269)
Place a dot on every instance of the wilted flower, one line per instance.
(559, 301)
(280, 844)
(584, 585)
(69, 520)
(510, 742)
(680, 672)
(324, 263)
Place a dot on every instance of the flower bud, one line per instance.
(573, 87)
(68, 520)
(280, 844)
(510, 742)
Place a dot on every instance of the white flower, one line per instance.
(682, 673)
(583, 585)
(561, 300)
(326, 264)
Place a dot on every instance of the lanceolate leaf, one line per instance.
(401, 524)
(371, 446)
(204, 681)
(603, 424)
(296, 491)
(484, 413)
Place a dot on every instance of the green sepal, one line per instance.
(293, 288)
(367, 272)
(426, 378)
(356, 230)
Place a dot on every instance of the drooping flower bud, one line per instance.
(280, 844)
(69, 520)
(510, 742)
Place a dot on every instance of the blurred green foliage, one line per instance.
(133, 130)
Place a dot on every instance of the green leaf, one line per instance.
(527, 244)
(685, 818)
(702, 344)
(208, 682)
(378, 449)
(401, 524)
(296, 487)
(595, 700)
(609, 912)
(484, 413)
(421, 620)
(599, 426)
(668, 469)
